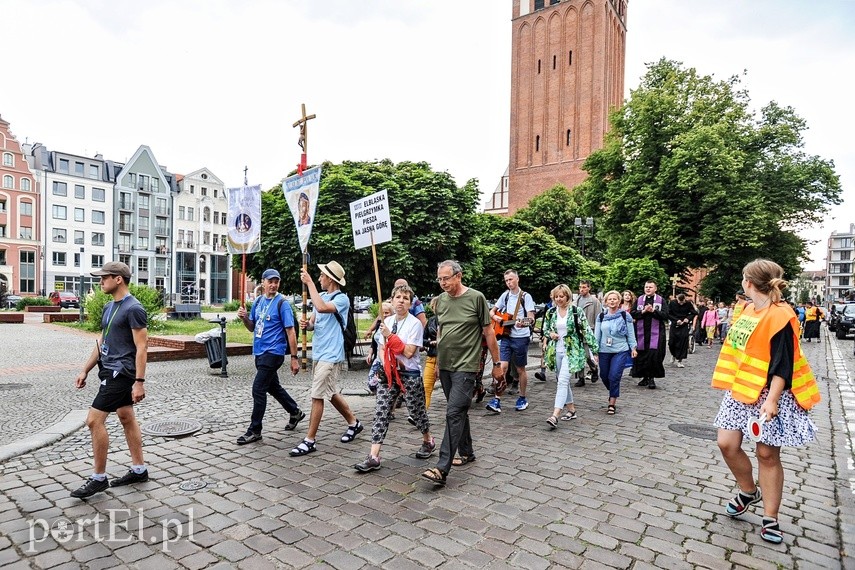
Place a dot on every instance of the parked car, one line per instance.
(12, 300)
(834, 316)
(846, 325)
(362, 304)
(64, 299)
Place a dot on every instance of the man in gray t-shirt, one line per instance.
(121, 357)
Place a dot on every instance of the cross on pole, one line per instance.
(303, 141)
(674, 280)
(245, 179)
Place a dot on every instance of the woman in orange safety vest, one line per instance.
(765, 373)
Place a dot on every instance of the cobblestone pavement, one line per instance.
(621, 491)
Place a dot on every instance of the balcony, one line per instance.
(161, 250)
(161, 212)
(161, 230)
(126, 205)
(124, 248)
(127, 227)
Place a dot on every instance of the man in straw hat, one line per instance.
(121, 357)
(327, 352)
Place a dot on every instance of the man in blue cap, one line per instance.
(271, 319)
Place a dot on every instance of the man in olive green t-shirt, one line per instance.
(464, 318)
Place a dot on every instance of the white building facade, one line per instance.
(839, 264)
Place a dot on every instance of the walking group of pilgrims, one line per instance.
(761, 367)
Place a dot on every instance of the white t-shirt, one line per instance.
(410, 331)
(507, 303)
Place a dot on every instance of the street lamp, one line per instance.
(583, 228)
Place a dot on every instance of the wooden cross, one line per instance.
(245, 179)
(674, 280)
(303, 141)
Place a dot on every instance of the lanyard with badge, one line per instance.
(259, 324)
(105, 349)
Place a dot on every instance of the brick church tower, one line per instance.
(567, 74)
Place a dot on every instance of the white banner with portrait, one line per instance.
(244, 219)
(301, 193)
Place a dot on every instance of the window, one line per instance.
(204, 191)
(79, 215)
(2, 234)
(216, 217)
(94, 172)
(538, 4)
(97, 261)
(79, 191)
(192, 189)
(144, 202)
(155, 184)
(206, 238)
(26, 184)
(180, 236)
(537, 143)
(142, 243)
(76, 260)
(2, 205)
(215, 192)
(26, 232)
(132, 180)
(26, 208)
(124, 243)
(142, 264)
(78, 168)
(223, 241)
(59, 258)
(844, 280)
(570, 58)
(60, 188)
(162, 209)
(204, 176)
(8, 181)
(142, 182)
(181, 212)
(8, 159)
(845, 255)
(569, 137)
(2, 255)
(223, 219)
(60, 212)
(63, 165)
(144, 223)
(27, 272)
(59, 235)
(538, 67)
(189, 239)
(79, 237)
(554, 61)
(97, 217)
(190, 214)
(206, 214)
(98, 194)
(97, 238)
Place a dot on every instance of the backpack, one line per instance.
(348, 331)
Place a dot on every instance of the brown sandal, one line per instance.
(462, 460)
(435, 476)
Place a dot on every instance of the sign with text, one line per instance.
(370, 215)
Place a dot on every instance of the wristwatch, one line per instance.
(496, 364)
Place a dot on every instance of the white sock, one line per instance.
(138, 469)
(99, 476)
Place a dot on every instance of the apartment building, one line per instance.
(201, 258)
(839, 264)
(20, 212)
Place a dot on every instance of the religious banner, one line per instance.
(370, 216)
(244, 219)
(301, 193)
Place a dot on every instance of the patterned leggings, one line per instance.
(414, 398)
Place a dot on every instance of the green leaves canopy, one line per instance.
(691, 178)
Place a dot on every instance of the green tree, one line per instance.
(633, 273)
(511, 243)
(692, 178)
(432, 220)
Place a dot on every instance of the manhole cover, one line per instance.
(174, 427)
(192, 485)
(13, 386)
(694, 430)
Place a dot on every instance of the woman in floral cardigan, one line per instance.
(567, 338)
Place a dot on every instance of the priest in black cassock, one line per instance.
(681, 313)
(650, 315)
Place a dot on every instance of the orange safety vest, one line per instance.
(813, 314)
(737, 310)
(743, 364)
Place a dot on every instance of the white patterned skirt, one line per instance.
(792, 428)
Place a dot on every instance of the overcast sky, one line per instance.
(219, 83)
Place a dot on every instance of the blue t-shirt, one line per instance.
(417, 307)
(271, 318)
(328, 340)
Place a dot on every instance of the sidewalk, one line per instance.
(622, 491)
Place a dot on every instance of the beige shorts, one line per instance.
(325, 380)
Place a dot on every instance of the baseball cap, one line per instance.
(113, 268)
(270, 274)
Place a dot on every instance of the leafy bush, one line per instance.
(149, 297)
(230, 306)
(37, 301)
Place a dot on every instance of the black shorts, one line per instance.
(115, 394)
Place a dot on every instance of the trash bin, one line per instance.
(214, 349)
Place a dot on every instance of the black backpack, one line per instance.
(349, 330)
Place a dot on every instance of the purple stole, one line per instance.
(654, 329)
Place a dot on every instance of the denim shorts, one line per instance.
(516, 348)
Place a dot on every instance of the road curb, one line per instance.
(73, 421)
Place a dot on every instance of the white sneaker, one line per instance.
(680, 364)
